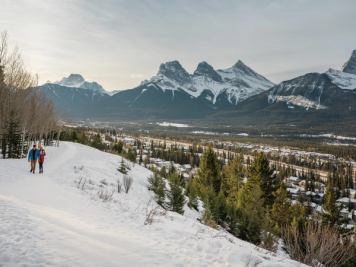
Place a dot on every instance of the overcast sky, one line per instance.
(120, 43)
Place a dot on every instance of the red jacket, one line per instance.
(42, 156)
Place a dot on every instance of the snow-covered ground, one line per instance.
(172, 124)
(57, 219)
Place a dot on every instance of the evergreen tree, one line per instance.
(140, 158)
(2, 108)
(331, 213)
(13, 137)
(131, 155)
(118, 147)
(264, 174)
(74, 137)
(232, 177)
(209, 185)
(218, 208)
(280, 214)
(122, 167)
(250, 205)
(158, 186)
(163, 172)
(96, 142)
(209, 170)
(176, 199)
(298, 216)
(3, 145)
(192, 194)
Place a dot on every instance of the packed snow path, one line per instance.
(46, 220)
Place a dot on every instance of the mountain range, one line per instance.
(236, 95)
(77, 81)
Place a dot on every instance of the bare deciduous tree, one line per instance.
(34, 113)
(105, 194)
(127, 181)
(318, 244)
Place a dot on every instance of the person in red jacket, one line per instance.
(41, 158)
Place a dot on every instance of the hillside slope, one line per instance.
(46, 220)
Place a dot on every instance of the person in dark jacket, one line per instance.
(41, 158)
(33, 156)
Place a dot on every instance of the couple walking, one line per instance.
(36, 154)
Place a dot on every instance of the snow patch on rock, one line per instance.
(341, 79)
(299, 100)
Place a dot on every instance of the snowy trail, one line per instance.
(47, 221)
(39, 212)
(62, 243)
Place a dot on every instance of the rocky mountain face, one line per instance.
(73, 102)
(314, 100)
(350, 65)
(77, 81)
(230, 86)
(314, 90)
(236, 95)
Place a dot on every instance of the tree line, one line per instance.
(252, 203)
(25, 114)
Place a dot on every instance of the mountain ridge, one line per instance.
(236, 95)
(78, 81)
(350, 65)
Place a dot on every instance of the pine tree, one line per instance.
(209, 170)
(192, 194)
(264, 174)
(2, 130)
(158, 186)
(118, 147)
(232, 177)
(3, 145)
(122, 168)
(176, 199)
(331, 213)
(140, 158)
(13, 137)
(219, 208)
(280, 215)
(209, 185)
(250, 205)
(131, 155)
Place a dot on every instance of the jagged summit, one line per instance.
(243, 67)
(239, 64)
(350, 65)
(231, 85)
(78, 81)
(174, 70)
(73, 80)
(205, 69)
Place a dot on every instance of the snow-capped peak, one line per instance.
(205, 69)
(77, 81)
(236, 83)
(73, 80)
(342, 79)
(244, 68)
(174, 71)
(350, 65)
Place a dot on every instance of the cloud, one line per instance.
(119, 43)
